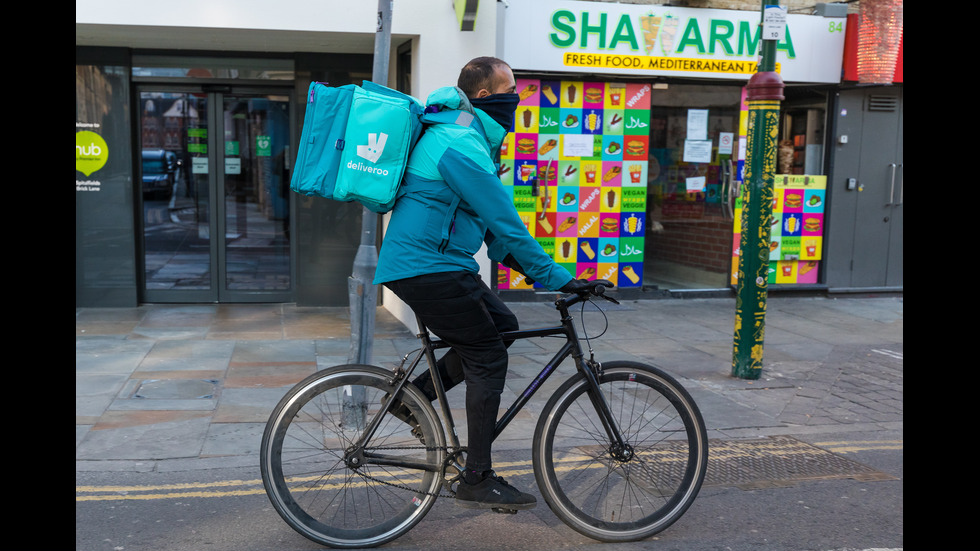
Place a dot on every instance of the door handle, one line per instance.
(727, 189)
(891, 190)
(901, 186)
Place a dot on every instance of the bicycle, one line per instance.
(619, 451)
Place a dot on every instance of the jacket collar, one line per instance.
(451, 97)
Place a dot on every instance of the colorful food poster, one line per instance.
(796, 239)
(576, 166)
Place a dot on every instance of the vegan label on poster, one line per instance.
(796, 242)
(587, 144)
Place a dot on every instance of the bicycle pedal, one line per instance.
(504, 511)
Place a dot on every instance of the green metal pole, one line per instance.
(764, 93)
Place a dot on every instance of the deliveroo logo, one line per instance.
(91, 152)
(374, 148)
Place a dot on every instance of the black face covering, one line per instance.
(500, 107)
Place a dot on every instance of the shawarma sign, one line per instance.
(573, 36)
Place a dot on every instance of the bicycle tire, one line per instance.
(312, 487)
(614, 500)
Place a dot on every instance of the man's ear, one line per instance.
(483, 93)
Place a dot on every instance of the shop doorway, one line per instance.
(690, 207)
(214, 182)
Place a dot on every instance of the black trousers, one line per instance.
(461, 310)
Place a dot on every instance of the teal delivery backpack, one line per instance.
(355, 143)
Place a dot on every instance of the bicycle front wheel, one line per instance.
(612, 494)
(324, 489)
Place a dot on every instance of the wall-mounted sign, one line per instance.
(636, 39)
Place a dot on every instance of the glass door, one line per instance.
(216, 211)
(693, 158)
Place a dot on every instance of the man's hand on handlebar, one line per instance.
(584, 286)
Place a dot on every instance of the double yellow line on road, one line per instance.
(228, 488)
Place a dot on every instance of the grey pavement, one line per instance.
(190, 386)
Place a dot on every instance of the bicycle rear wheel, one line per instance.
(310, 476)
(621, 495)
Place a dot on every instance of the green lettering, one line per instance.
(624, 33)
(691, 37)
(787, 45)
(748, 41)
(721, 33)
(560, 22)
(599, 29)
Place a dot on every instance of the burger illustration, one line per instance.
(635, 148)
(811, 224)
(593, 95)
(794, 200)
(526, 146)
(609, 224)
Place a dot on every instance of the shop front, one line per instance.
(627, 151)
(190, 202)
(186, 126)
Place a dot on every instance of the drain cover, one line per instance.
(779, 461)
(176, 389)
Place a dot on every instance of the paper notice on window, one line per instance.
(726, 141)
(695, 184)
(697, 151)
(199, 165)
(697, 124)
(577, 145)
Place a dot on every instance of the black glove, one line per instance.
(577, 286)
(595, 287)
(512, 263)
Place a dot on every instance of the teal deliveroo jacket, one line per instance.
(451, 201)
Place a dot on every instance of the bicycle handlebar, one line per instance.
(596, 288)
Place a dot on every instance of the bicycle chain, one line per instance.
(413, 490)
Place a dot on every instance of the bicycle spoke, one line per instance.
(323, 493)
(620, 495)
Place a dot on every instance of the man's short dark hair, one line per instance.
(479, 74)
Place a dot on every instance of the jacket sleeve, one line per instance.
(467, 168)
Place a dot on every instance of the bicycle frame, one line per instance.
(571, 347)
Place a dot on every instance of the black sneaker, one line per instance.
(402, 412)
(492, 493)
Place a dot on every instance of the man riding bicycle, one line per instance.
(452, 202)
